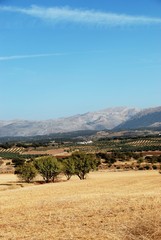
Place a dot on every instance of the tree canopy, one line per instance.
(48, 167)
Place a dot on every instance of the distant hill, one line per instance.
(148, 118)
(115, 119)
(100, 120)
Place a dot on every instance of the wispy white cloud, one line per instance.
(16, 57)
(91, 17)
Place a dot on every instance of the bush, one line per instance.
(147, 167)
(140, 160)
(110, 159)
(27, 172)
(140, 168)
(154, 167)
(8, 163)
(18, 161)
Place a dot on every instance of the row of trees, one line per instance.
(50, 167)
(118, 156)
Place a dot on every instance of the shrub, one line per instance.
(154, 167)
(110, 159)
(147, 167)
(140, 160)
(140, 168)
(8, 163)
(27, 172)
(18, 161)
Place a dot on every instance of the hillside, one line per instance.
(115, 119)
(147, 118)
(100, 120)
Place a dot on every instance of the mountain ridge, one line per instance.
(98, 120)
(146, 118)
(118, 118)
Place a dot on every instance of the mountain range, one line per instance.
(118, 118)
(147, 118)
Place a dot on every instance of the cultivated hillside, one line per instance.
(100, 120)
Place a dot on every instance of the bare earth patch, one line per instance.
(108, 205)
(53, 152)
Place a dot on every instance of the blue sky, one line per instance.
(63, 57)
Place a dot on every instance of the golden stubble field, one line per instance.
(107, 205)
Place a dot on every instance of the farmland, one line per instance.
(121, 149)
(106, 206)
(130, 144)
(11, 150)
(58, 146)
(117, 202)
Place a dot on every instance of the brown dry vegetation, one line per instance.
(108, 205)
(53, 152)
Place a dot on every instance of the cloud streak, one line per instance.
(79, 16)
(17, 57)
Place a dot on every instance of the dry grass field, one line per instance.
(107, 205)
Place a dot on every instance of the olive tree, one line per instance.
(48, 167)
(26, 172)
(84, 163)
(69, 167)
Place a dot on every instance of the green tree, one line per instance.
(69, 167)
(26, 172)
(140, 160)
(48, 167)
(108, 158)
(84, 163)
(18, 161)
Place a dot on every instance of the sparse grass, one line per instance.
(108, 205)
